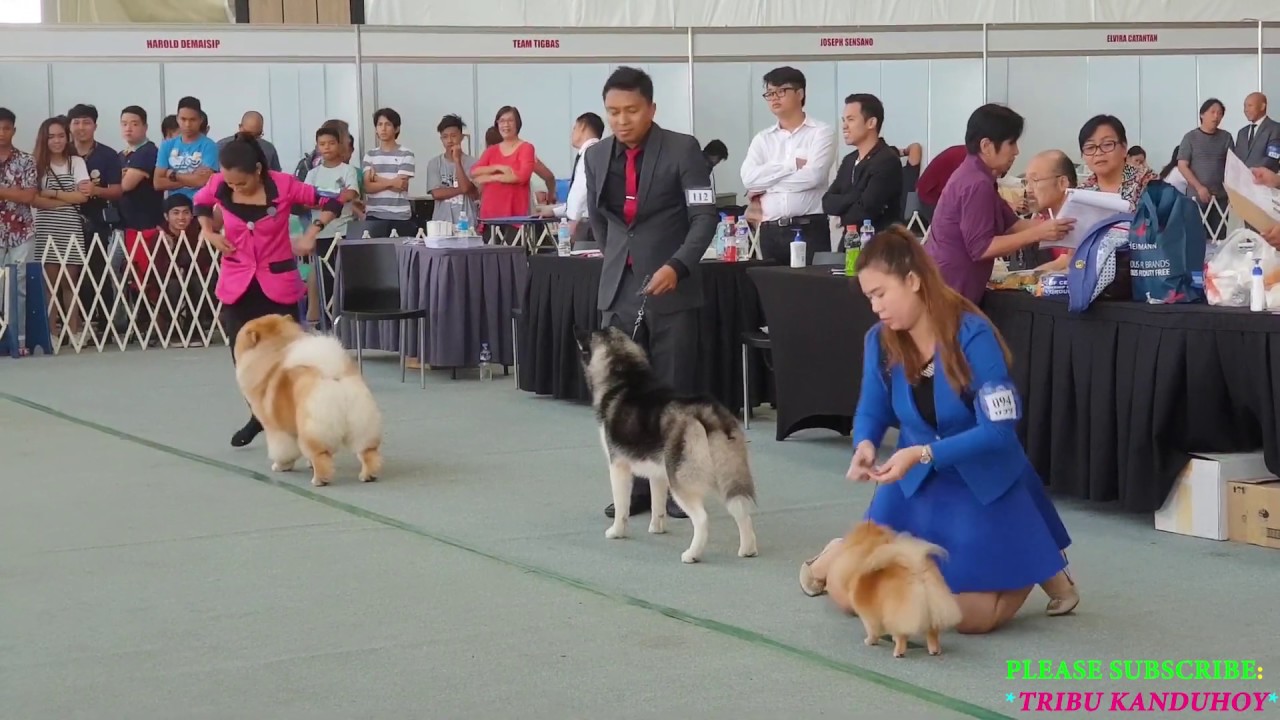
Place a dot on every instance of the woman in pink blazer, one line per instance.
(258, 266)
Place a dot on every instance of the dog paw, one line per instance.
(318, 482)
(871, 641)
(898, 654)
(281, 467)
(367, 478)
(747, 551)
(688, 557)
(936, 653)
(658, 525)
(615, 533)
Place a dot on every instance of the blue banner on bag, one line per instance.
(1166, 246)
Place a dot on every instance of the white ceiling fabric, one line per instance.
(805, 13)
(97, 12)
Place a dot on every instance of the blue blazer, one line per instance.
(976, 439)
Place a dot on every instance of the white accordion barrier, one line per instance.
(707, 82)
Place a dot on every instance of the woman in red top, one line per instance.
(503, 170)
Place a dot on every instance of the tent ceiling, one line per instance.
(805, 13)
(92, 12)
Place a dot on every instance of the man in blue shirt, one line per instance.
(141, 205)
(187, 161)
(103, 164)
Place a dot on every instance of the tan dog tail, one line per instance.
(904, 550)
(944, 611)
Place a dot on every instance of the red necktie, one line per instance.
(631, 202)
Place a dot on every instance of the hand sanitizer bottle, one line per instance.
(1257, 288)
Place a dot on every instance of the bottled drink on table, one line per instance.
(464, 225)
(742, 238)
(852, 246)
(717, 243)
(563, 245)
(730, 243)
(486, 362)
(868, 232)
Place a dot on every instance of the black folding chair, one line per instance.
(369, 281)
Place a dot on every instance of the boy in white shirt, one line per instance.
(333, 178)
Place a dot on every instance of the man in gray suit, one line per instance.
(1258, 143)
(653, 212)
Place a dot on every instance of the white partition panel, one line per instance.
(1052, 94)
(1230, 78)
(586, 88)
(109, 87)
(722, 111)
(955, 91)
(24, 89)
(1110, 83)
(998, 80)
(904, 90)
(1168, 103)
(1271, 82)
(671, 92)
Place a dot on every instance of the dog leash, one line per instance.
(644, 300)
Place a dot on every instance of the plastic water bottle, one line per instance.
(730, 253)
(563, 244)
(1257, 288)
(868, 232)
(852, 246)
(742, 239)
(486, 360)
(464, 224)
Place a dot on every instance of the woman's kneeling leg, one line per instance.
(983, 612)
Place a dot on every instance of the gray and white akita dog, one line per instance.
(691, 445)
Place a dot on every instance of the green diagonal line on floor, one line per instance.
(886, 681)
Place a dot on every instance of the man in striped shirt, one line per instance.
(387, 171)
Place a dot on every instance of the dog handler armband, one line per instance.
(998, 402)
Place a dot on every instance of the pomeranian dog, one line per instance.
(892, 583)
(309, 397)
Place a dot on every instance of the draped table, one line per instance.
(1114, 399)
(469, 294)
(562, 293)
(1117, 397)
(817, 322)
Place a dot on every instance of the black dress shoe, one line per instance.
(640, 506)
(246, 434)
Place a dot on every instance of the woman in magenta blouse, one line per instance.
(258, 266)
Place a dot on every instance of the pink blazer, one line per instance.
(263, 249)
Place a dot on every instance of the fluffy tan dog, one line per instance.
(892, 583)
(309, 396)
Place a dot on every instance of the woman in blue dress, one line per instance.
(936, 368)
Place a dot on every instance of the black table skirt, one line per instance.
(1117, 397)
(562, 293)
(817, 323)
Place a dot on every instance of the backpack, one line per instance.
(1166, 246)
(1098, 266)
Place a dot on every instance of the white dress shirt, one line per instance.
(574, 207)
(770, 167)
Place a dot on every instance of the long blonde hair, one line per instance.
(897, 252)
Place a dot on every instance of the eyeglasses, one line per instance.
(1105, 146)
(1042, 179)
(772, 94)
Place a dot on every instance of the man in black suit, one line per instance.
(868, 185)
(653, 212)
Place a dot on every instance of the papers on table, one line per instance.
(1087, 208)
(1257, 205)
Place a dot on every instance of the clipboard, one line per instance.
(1255, 204)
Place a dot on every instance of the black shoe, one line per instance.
(640, 506)
(246, 434)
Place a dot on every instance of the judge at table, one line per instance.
(653, 213)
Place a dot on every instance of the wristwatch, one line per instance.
(926, 455)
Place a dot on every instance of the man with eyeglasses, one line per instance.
(786, 169)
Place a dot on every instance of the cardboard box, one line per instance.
(1197, 503)
(1253, 511)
